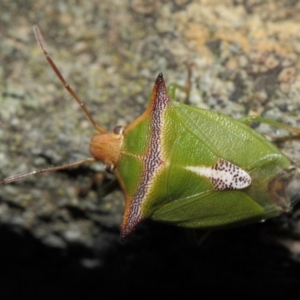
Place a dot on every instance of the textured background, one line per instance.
(245, 57)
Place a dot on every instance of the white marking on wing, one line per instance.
(224, 175)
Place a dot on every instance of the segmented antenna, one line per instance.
(42, 44)
(46, 170)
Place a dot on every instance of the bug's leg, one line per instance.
(197, 237)
(99, 183)
(95, 181)
(251, 119)
(104, 190)
(171, 89)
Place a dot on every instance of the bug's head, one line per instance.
(106, 147)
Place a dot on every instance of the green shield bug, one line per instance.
(188, 166)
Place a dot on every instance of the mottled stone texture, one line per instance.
(57, 228)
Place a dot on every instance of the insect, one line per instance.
(188, 166)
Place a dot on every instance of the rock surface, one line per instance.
(245, 60)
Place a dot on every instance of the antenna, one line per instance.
(47, 170)
(42, 44)
(51, 62)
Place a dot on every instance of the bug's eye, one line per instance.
(118, 130)
(109, 168)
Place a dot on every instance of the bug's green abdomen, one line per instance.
(199, 138)
(198, 168)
